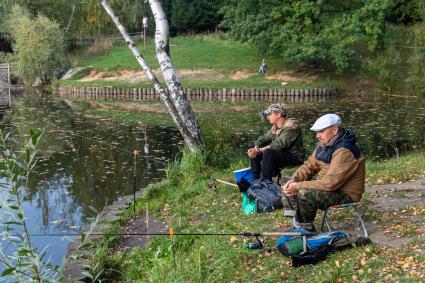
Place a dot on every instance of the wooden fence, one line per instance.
(201, 94)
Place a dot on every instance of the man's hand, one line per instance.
(252, 152)
(289, 188)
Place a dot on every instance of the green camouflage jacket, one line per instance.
(287, 138)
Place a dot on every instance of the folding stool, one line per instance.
(354, 205)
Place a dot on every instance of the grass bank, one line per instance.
(184, 200)
(219, 61)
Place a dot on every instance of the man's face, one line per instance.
(325, 135)
(273, 117)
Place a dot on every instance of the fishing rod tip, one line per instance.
(135, 152)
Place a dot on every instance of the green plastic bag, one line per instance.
(248, 205)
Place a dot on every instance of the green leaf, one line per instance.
(12, 223)
(8, 271)
(23, 252)
(20, 215)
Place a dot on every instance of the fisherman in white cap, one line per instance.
(282, 146)
(339, 168)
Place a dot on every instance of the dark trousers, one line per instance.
(310, 200)
(269, 163)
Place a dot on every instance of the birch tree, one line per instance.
(176, 101)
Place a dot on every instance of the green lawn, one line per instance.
(212, 52)
(187, 52)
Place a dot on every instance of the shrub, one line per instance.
(100, 46)
(386, 70)
(416, 74)
(39, 46)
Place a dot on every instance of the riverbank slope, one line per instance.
(394, 214)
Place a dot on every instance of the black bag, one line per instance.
(267, 195)
(311, 256)
(243, 185)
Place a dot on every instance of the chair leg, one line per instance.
(325, 221)
(327, 224)
(361, 221)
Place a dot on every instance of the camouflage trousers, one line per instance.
(310, 200)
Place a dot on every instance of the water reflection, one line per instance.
(83, 161)
(385, 126)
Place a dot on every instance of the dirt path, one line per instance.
(138, 76)
(400, 212)
(398, 215)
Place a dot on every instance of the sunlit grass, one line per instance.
(188, 205)
(214, 52)
(394, 170)
(188, 52)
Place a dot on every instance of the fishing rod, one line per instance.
(172, 233)
(249, 245)
(223, 182)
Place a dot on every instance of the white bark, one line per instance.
(186, 131)
(174, 86)
(68, 26)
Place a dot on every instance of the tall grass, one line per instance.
(188, 205)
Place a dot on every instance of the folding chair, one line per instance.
(358, 213)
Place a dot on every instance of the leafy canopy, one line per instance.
(38, 43)
(320, 31)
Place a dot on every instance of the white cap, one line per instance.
(326, 121)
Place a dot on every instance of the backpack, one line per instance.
(267, 195)
(311, 248)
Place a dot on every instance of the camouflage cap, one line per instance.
(275, 107)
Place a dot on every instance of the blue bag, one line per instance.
(323, 239)
(267, 195)
(294, 245)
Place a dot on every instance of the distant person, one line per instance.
(333, 174)
(263, 67)
(280, 147)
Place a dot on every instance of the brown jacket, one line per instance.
(344, 173)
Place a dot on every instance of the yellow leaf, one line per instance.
(233, 239)
(337, 263)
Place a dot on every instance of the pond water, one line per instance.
(86, 160)
(83, 161)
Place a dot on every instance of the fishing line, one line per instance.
(244, 234)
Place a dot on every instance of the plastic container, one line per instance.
(248, 205)
(244, 173)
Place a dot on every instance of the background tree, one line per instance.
(38, 43)
(405, 12)
(319, 32)
(195, 16)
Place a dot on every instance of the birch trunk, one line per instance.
(170, 77)
(68, 26)
(194, 142)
